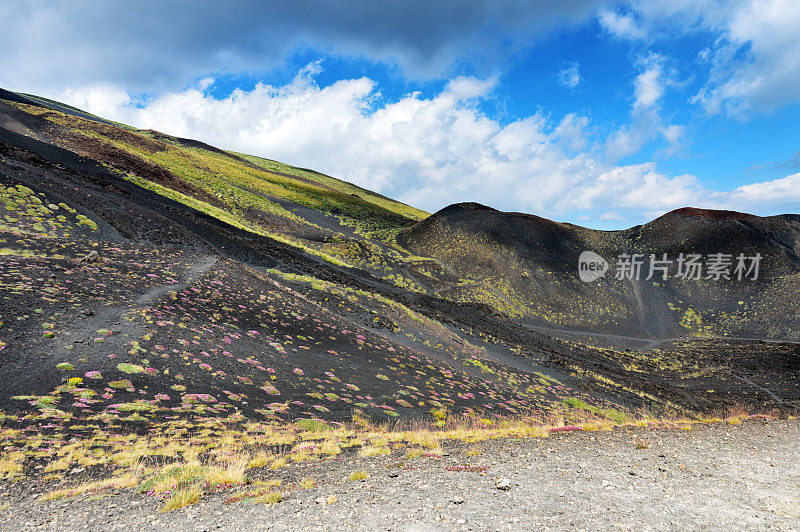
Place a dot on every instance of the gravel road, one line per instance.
(719, 477)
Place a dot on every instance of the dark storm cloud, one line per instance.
(153, 45)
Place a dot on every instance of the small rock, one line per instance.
(458, 500)
(92, 256)
(502, 483)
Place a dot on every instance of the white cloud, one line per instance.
(429, 152)
(640, 186)
(571, 132)
(676, 138)
(621, 26)
(205, 83)
(757, 64)
(783, 191)
(570, 76)
(648, 87)
(611, 216)
(628, 140)
(674, 134)
(754, 63)
(103, 100)
(646, 124)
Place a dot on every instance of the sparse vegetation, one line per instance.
(180, 374)
(358, 475)
(271, 497)
(183, 497)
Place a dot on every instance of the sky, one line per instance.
(600, 113)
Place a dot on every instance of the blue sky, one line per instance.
(605, 114)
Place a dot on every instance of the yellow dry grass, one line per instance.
(183, 498)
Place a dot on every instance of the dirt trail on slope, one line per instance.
(203, 264)
(718, 477)
(85, 329)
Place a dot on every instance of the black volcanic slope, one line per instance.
(146, 277)
(527, 266)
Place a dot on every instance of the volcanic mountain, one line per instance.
(528, 266)
(148, 277)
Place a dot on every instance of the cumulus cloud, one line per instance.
(641, 186)
(572, 132)
(783, 191)
(426, 151)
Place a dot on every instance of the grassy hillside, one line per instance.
(521, 265)
(322, 215)
(184, 320)
(526, 266)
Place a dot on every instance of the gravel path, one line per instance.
(721, 477)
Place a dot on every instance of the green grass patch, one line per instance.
(130, 368)
(609, 413)
(313, 425)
